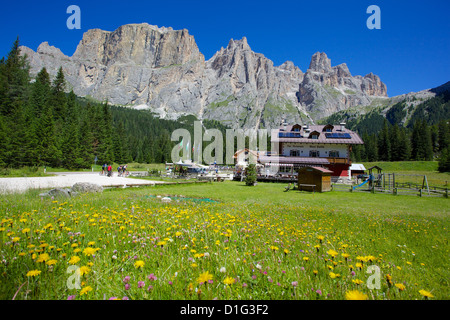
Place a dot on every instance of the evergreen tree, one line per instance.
(250, 175)
(371, 148)
(443, 135)
(384, 145)
(444, 161)
(58, 97)
(3, 142)
(404, 145)
(104, 137)
(421, 142)
(86, 154)
(394, 138)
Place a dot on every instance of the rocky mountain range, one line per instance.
(161, 69)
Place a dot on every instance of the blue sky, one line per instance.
(410, 52)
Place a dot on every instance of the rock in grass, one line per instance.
(166, 199)
(56, 193)
(86, 187)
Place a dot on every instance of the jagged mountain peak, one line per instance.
(238, 44)
(320, 62)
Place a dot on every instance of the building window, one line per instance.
(314, 136)
(333, 154)
(294, 153)
(314, 154)
(285, 169)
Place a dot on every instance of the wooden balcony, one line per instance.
(339, 161)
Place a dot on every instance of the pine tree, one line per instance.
(104, 137)
(86, 154)
(58, 97)
(443, 135)
(404, 145)
(3, 142)
(394, 137)
(384, 145)
(16, 73)
(371, 148)
(444, 161)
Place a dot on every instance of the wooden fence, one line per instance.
(399, 189)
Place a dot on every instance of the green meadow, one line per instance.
(224, 240)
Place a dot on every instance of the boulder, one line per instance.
(86, 187)
(56, 193)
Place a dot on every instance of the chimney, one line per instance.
(307, 132)
(342, 124)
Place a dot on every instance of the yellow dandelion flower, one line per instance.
(229, 281)
(74, 260)
(204, 277)
(355, 295)
(400, 286)
(33, 273)
(426, 294)
(85, 290)
(332, 253)
(84, 270)
(139, 264)
(51, 262)
(43, 257)
(89, 251)
(332, 275)
(357, 281)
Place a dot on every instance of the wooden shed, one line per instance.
(314, 179)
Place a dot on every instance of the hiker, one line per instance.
(109, 171)
(104, 169)
(124, 170)
(119, 171)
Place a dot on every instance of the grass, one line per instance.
(255, 243)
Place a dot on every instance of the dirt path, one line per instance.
(64, 180)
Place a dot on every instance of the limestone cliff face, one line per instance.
(245, 89)
(326, 89)
(163, 70)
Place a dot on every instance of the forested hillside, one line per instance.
(426, 136)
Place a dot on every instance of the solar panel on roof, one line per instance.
(338, 135)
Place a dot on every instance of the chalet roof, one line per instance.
(255, 153)
(336, 136)
(357, 166)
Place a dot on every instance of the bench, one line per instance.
(313, 186)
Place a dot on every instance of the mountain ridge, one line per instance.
(163, 70)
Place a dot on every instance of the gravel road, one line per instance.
(64, 180)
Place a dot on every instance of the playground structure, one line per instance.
(394, 183)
